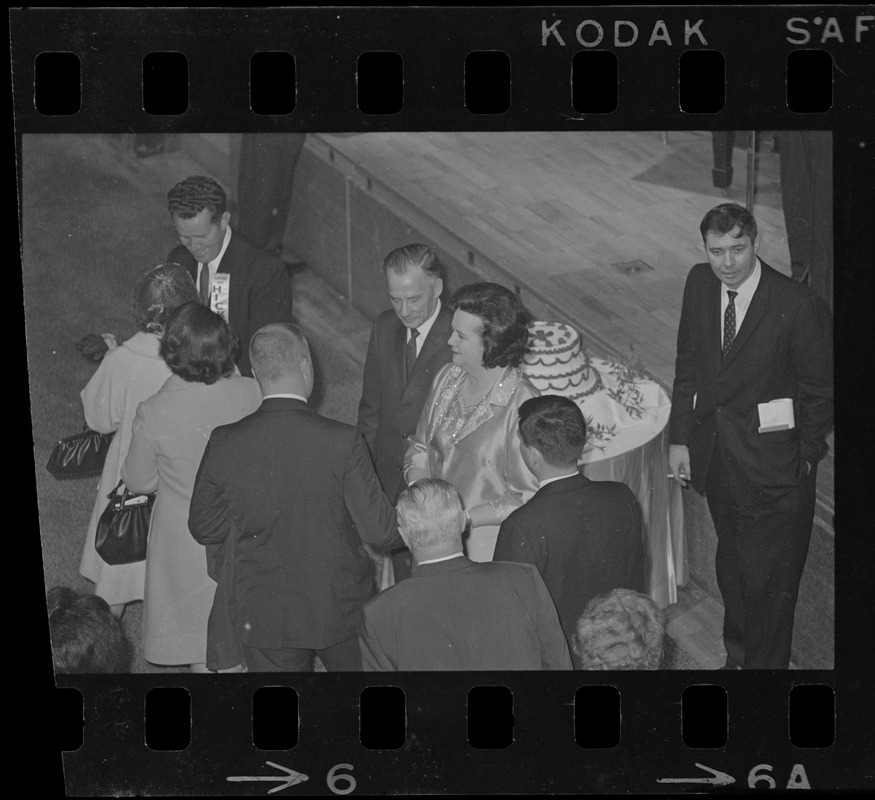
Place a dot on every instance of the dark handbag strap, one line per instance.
(113, 495)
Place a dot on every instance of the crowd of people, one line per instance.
(269, 518)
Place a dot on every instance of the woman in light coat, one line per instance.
(127, 375)
(170, 434)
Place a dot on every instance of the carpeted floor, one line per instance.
(94, 218)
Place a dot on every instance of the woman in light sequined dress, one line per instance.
(467, 434)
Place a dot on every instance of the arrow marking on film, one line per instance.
(718, 779)
(291, 778)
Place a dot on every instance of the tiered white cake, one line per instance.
(556, 363)
(618, 404)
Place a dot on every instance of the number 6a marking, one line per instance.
(759, 774)
(331, 779)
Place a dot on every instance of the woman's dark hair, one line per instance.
(85, 636)
(198, 345)
(505, 322)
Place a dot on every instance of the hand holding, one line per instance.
(679, 463)
(93, 347)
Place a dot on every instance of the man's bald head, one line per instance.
(280, 358)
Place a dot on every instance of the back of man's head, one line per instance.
(85, 636)
(431, 518)
(555, 426)
(197, 192)
(280, 358)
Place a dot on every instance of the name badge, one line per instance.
(219, 294)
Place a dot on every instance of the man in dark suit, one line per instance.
(453, 613)
(247, 286)
(291, 495)
(749, 335)
(408, 346)
(584, 536)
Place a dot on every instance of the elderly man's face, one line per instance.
(201, 235)
(732, 257)
(414, 295)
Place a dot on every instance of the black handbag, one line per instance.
(79, 455)
(123, 527)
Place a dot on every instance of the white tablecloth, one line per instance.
(638, 457)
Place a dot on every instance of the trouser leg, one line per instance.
(727, 567)
(772, 543)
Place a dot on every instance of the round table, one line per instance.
(638, 457)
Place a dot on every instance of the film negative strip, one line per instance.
(140, 85)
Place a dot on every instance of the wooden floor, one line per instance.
(561, 211)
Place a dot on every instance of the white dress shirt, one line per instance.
(425, 328)
(213, 265)
(436, 560)
(742, 299)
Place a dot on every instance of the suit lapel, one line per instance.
(436, 339)
(713, 328)
(755, 311)
(400, 344)
(235, 288)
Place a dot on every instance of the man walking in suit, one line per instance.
(748, 336)
(291, 494)
(236, 279)
(453, 613)
(584, 536)
(408, 347)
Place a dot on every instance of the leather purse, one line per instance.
(79, 455)
(123, 527)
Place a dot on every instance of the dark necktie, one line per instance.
(729, 323)
(205, 284)
(410, 352)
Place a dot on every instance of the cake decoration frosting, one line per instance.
(557, 362)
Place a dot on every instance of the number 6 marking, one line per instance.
(758, 775)
(331, 779)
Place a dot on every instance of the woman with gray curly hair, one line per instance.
(127, 375)
(620, 629)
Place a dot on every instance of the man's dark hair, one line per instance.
(413, 255)
(505, 321)
(198, 345)
(85, 636)
(555, 426)
(189, 197)
(724, 218)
